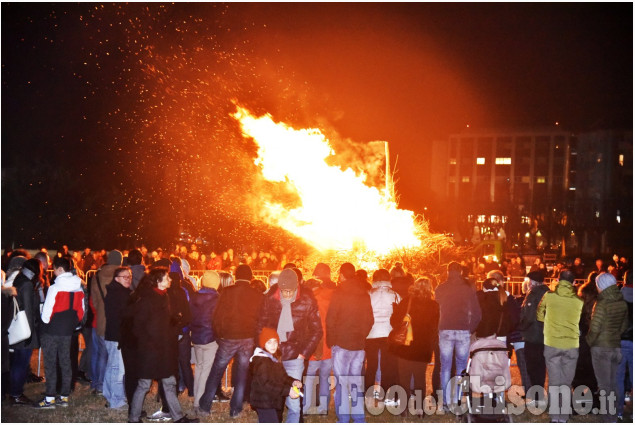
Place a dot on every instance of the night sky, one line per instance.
(116, 124)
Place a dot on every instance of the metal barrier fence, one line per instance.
(514, 285)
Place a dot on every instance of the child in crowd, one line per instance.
(270, 385)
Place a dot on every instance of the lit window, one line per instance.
(465, 179)
(452, 161)
(481, 219)
(621, 161)
(504, 219)
(540, 180)
(597, 214)
(503, 161)
(480, 161)
(572, 188)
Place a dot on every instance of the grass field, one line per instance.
(86, 407)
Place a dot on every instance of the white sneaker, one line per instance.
(391, 402)
(159, 415)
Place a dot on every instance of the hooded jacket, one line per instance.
(609, 319)
(64, 305)
(307, 327)
(270, 383)
(560, 311)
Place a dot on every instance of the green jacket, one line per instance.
(560, 311)
(608, 320)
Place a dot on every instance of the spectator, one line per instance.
(348, 322)
(584, 374)
(560, 312)
(135, 261)
(460, 314)
(608, 321)
(627, 350)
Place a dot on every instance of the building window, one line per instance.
(524, 179)
(503, 161)
(621, 160)
(480, 161)
(540, 179)
(452, 161)
(465, 179)
(452, 179)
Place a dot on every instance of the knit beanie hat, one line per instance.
(243, 272)
(536, 276)
(604, 280)
(288, 279)
(210, 279)
(265, 335)
(175, 267)
(115, 258)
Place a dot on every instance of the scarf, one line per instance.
(285, 323)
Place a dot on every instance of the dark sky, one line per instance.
(126, 106)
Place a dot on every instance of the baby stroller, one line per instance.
(488, 374)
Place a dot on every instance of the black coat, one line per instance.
(179, 304)
(202, 305)
(307, 326)
(350, 317)
(236, 315)
(424, 314)
(531, 328)
(29, 301)
(114, 304)
(150, 332)
(270, 383)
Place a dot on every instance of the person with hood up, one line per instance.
(292, 309)
(26, 284)
(609, 319)
(560, 312)
(62, 313)
(271, 385)
(98, 291)
(135, 262)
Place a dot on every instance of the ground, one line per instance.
(86, 407)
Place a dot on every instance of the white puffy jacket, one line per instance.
(382, 298)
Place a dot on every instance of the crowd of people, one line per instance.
(147, 320)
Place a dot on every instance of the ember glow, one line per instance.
(338, 210)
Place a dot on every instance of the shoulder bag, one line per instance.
(19, 329)
(402, 334)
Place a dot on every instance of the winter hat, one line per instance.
(115, 258)
(536, 276)
(265, 335)
(604, 280)
(243, 272)
(288, 279)
(16, 262)
(322, 270)
(210, 279)
(163, 262)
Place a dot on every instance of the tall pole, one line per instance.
(389, 185)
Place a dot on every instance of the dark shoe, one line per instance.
(22, 400)
(97, 392)
(234, 413)
(186, 420)
(82, 377)
(221, 397)
(62, 401)
(33, 378)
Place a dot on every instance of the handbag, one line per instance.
(402, 334)
(19, 329)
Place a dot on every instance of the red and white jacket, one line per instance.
(64, 305)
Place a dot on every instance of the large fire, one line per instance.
(339, 210)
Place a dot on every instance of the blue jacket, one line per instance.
(202, 306)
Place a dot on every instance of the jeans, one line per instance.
(20, 360)
(317, 374)
(114, 390)
(605, 363)
(203, 359)
(185, 366)
(169, 385)
(561, 366)
(627, 361)
(347, 367)
(98, 361)
(57, 350)
(239, 349)
(452, 343)
(294, 369)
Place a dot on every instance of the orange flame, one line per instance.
(338, 210)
